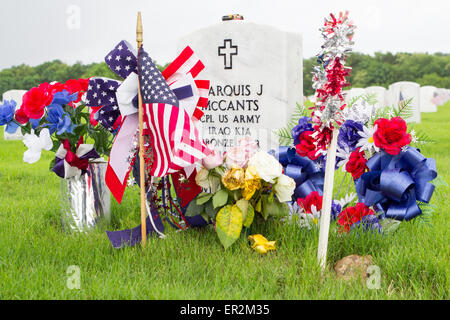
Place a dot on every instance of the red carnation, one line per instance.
(21, 117)
(352, 215)
(35, 101)
(391, 135)
(356, 164)
(306, 147)
(312, 199)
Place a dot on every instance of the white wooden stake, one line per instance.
(326, 202)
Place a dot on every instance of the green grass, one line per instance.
(35, 253)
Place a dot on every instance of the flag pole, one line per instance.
(139, 39)
(327, 199)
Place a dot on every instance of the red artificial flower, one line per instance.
(56, 87)
(84, 84)
(356, 164)
(80, 86)
(35, 100)
(352, 215)
(306, 147)
(391, 135)
(312, 199)
(21, 117)
(323, 137)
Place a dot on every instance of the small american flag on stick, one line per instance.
(173, 135)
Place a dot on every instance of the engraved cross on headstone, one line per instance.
(228, 51)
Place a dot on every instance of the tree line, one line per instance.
(380, 69)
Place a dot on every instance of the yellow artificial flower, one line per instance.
(233, 178)
(261, 244)
(252, 182)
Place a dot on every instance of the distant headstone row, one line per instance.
(424, 99)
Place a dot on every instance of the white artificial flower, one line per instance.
(206, 180)
(305, 220)
(284, 188)
(267, 167)
(360, 111)
(346, 200)
(366, 142)
(36, 144)
(343, 153)
(202, 178)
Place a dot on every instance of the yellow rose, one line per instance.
(252, 182)
(233, 178)
(261, 244)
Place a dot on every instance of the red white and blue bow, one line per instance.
(119, 105)
(69, 164)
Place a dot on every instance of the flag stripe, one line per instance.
(202, 102)
(177, 63)
(198, 67)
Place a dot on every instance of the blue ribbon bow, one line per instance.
(395, 183)
(308, 176)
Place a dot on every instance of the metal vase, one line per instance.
(86, 199)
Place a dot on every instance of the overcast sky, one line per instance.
(33, 31)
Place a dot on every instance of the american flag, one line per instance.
(174, 137)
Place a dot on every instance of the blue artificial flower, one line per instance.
(59, 120)
(348, 134)
(35, 122)
(63, 97)
(335, 209)
(303, 125)
(7, 110)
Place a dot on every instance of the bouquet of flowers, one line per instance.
(391, 176)
(53, 117)
(238, 185)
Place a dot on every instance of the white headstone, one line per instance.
(441, 96)
(256, 80)
(352, 93)
(380, 95)
(15, 95)
(427, 93)
(404, 90)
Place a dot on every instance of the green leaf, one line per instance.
(243, 205)
(389, 225)
(194, 209)
(220, 198)
(273, 208)
(210, 210)
(249, 217)
(203, 197)
(258, 205)
(229, 224)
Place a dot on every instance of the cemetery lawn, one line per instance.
(414, 261)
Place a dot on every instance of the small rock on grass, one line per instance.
(353, 266)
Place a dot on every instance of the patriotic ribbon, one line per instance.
(70, 164)
(395, 183)
(307, 175)
(119, 107)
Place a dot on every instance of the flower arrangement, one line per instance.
(391, 176)
(53, 117)
(239, 185)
